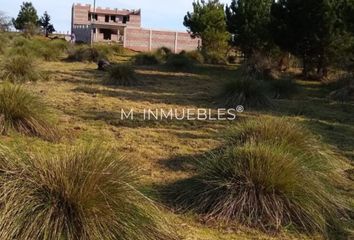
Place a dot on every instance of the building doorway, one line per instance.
(107, 34)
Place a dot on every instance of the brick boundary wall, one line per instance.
(144, 40)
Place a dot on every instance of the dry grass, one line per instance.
(246, 91)
(121, 75)
(87, 193)
(19, 69)
(24, 112)
(270, 175)
(89, 111)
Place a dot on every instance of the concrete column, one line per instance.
(125, 38)
(96, 36)
(176, 42)
(150, 41)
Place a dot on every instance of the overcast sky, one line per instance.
(160, 14)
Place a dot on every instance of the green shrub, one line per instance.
(3, 43)
(179, 62)
(163, 53)
(246, 91)
(196, 56)
(214, 58)
(271, 178)
(342, 89)
(84, 53)
(20, 68)
(53, 50)
(273, 131)
(25, 113)
(85, 193)
(49, 50)
(109, 50)
(121, 75)
(284, 87)
(146, 59)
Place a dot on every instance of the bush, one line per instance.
(88, 193)
(146, 59)
(121, 75)
(196, 56)
(84, 53)
(343, 88)
(246, 91)
(49, 50)
(109, 50)
(273, 131)
(214, 58)
(179, 62)
(20, 68)
(23, 112)
(271, 178)
(53, 50)
(260, 66)
(3, 42)
(163, 53)
(284, 87)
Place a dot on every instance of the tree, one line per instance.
(208, 22)
(46, 25)
(248, 21)
(5, 22)
(27, 16)
(314, 30)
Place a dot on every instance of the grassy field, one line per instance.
(87, 110)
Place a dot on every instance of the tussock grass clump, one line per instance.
(87, 193)
(20, 68)
(146, 59)
(121, 75)
(4, 40)
(163, 53)
(196, 56)
(23, 112)
(179, 62)
(85, 53)
(268, 176)
(49, 50)
(215, 58)
(109, 50)
(282, 131)
(284, 87)
(342, 89)
(245, 91)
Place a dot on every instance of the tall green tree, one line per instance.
(26, 16)
(248, 21)
(44, 22)
(314, 30)
(208, 22)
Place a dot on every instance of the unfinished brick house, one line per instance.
(122, 26)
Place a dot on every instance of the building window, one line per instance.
(113, 19)
(126, 19)
(106, 18)
(89, 16)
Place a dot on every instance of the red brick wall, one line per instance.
(185, 42)
(137, 39)
(140, 39)
(80, 14)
